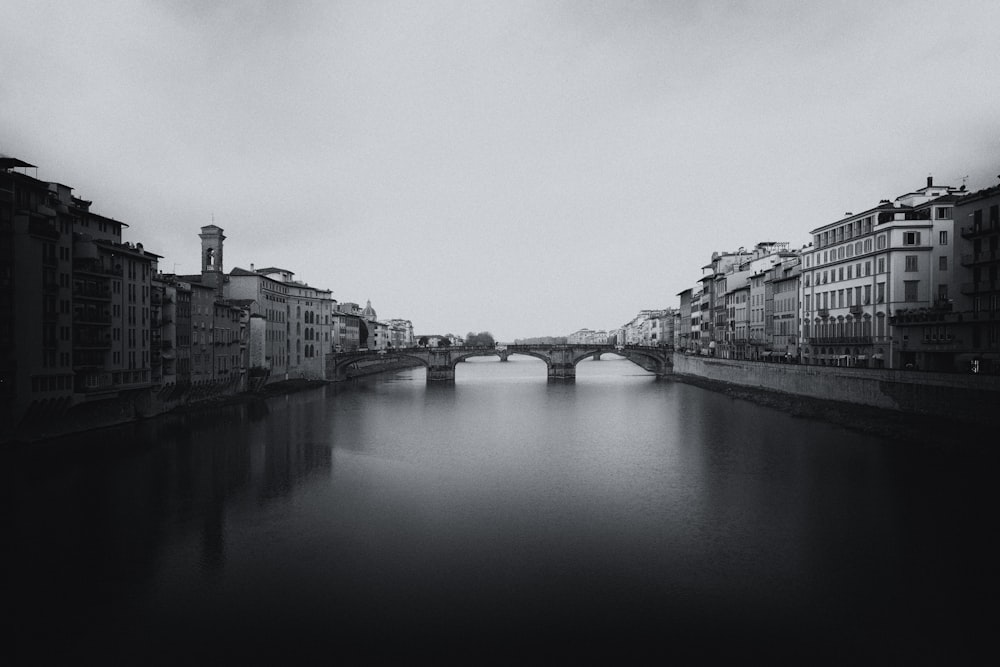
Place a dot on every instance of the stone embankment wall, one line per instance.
(970, 398)
(124, 407)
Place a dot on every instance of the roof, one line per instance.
(979, 194)
(7, 162)
(242, 272)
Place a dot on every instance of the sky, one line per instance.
(523, 168)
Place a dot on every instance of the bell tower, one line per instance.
(211, 257)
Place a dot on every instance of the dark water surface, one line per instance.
(502, 515)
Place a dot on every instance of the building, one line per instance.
(861, 269)
(346, 329)
(400, 333)
(75, 301)
(959, 330)
(174, 330)
(781, 311)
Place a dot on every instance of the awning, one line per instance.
(862, 357)
(766, 353)
(877, 356)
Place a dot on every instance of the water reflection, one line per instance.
(503, 509)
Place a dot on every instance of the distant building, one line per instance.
(400, 333)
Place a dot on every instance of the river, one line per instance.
(504, 513)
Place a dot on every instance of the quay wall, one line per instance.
(969, 398)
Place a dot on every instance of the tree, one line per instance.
(423, 341)
(443, 342)
(481, 339)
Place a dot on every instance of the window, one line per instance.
(943, 213)
(880, 241)
(881, 265)
(880, 293)
(942, 237)
(943, 263)
(911, 263)
(910, 290)
(911, 238)
(942, 293)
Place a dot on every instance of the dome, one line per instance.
(369, 312)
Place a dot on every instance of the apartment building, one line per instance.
(346, 329)
(865, 267)
(960, 329)
(782, 311)
(400, 333)
(75, 299)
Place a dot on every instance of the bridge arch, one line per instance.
(560, 360)
(338, 365)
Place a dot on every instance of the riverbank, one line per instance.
(95, 416)
(144, 405)
(931, 432)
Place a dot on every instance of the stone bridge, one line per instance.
(560, 360)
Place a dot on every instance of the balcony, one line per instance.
(945, 339)
(93, 319)
(978, 230)
(982, 257)
(92, 292)
(823, 312)
(981, 287)
(856, 309)
(920, 315)
(95, 268)
(841, 340)
(91, 342)
(43, 229)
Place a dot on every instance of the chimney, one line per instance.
(930, 181)
(251, 266)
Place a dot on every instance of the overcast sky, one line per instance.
(527, 168)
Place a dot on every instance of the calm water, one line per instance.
(617, 513)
